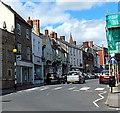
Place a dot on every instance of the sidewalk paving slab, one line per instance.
(12, 90)
(113, 99)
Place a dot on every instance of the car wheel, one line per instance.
(67, 82)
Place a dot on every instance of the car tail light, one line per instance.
(78, 73)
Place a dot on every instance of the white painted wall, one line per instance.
(75, 54)
(7, 16)
(37, 51)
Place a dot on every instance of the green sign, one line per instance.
(113, 33)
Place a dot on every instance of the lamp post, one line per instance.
(15, 78)
(43, 60)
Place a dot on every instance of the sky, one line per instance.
(84, 19)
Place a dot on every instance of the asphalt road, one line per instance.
(60, 97)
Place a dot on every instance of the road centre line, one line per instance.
(94, 102)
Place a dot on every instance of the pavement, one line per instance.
(113, 99)
(19, 88)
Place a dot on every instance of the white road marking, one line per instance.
(71, 88)
(84, 88)
(57, 88)
(44, 88)
(31, 89)
(99, 89)
(94, 102)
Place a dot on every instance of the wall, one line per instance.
(7, 16)
(37, 39)
(8, 40)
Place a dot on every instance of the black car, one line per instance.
(53, 78)
(63, 78)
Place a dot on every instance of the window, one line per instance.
(38, 47)
(19, 48)
(28, 53)
(27, 33)
(34, 45)
(18, 29)
(74, 62)
(9, 72)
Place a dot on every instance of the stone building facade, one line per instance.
(7, 58)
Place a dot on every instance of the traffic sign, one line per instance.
(113, 60)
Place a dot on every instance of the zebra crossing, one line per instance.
(75, 89)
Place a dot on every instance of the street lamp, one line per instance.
(15, 80)
(43, 60)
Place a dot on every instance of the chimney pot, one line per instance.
(28, 18)
(46, 32)
(85, 44)
(62, 38)
(91, 43)
(74, 42)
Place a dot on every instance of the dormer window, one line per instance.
(18, 29)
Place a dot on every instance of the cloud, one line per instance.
(54, 13)
(84, 30)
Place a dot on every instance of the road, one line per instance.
(60, 97)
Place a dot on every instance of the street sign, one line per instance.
(113, 60)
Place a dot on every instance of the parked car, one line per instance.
(91, 76)
(86, 76)
(75, 76)
(53, 78)
(104, 77)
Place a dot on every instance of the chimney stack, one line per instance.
(91, 43)
(55, 35)
(36, 24)
(46, 32)
(52, 34)
(74, 42)
(62, 38)
(85, 44)
(30, 22)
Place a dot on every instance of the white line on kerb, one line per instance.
(94, 102)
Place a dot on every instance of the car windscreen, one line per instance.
(53, 74)
(73, 73)
(105, 73)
